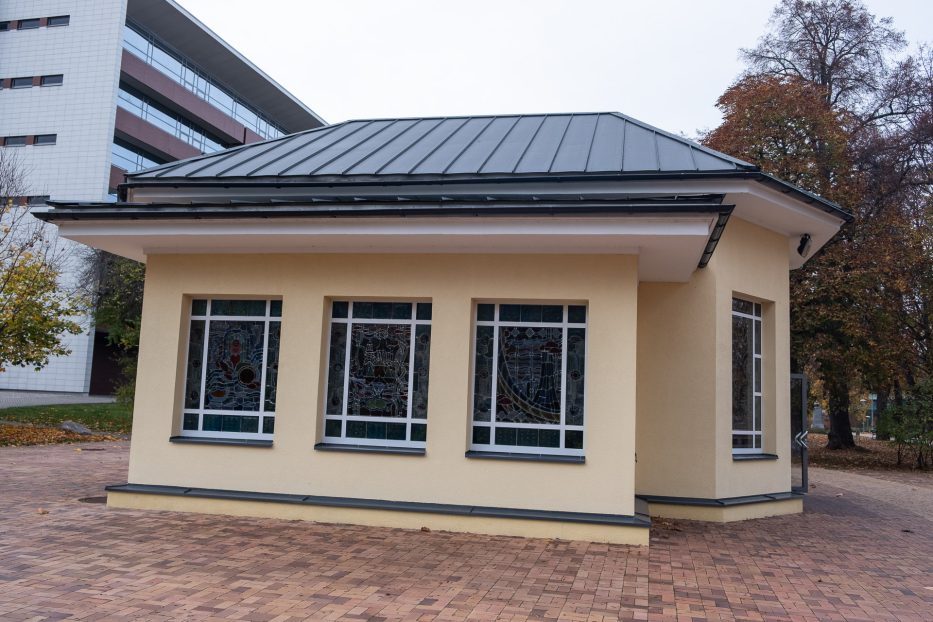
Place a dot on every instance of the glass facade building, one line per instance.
(182, 71)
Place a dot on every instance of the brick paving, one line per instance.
(848, 558)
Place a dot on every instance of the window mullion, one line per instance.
(346, 368)
(207, 334)
(411, 371)
(262, 373)
(755, 381)
(494, 376)
(563, 381)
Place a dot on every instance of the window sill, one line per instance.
(371, 449)
(501, 455)
(744, 457)
(201, 440)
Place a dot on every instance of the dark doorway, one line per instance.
(105, 372)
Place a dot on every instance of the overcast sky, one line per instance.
(664, 62)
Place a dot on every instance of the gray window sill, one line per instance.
(502, 455)
(370, 449)
(238, 442)
(744, 457)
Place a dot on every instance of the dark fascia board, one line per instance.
(65, 211)
(398, 180)
(714, 236)
(637, 520)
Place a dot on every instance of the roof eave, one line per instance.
(396, 180)
(72, 211)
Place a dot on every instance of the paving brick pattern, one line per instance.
(64, 559)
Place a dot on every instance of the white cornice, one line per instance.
(669, 249)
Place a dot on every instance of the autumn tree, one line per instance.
(34, 311)
(827, 104)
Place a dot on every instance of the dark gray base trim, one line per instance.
(370, 449)
(719, 503)
(503, 455)
(200, 440)
(638, 520)
(744, 457)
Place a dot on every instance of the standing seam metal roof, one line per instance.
(488, 146)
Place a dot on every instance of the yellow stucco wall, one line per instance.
(685, 372)
(607, 284)
(752, 262)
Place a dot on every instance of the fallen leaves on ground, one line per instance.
(113, 418)
(18, 435)
(868, 454)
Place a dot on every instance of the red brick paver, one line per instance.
(848, 558)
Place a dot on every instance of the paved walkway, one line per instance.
(909, 492)
(11, 399)
(849, 558)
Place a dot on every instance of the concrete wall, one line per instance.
(608, 284)
(684, 372)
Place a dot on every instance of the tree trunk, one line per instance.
(840, 429)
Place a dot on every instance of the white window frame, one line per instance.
(343, 417)
(757, 429)
(201, 411)
(563, 427)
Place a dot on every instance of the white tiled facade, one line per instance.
(81, 113)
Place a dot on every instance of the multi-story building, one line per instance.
(93, 89)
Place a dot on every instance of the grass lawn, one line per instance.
(103, 418)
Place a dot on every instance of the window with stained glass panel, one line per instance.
(746, 377)
(232, 368)
(528, 378)
(377, 373)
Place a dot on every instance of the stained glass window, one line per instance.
(377, 373)
(232, 368)
(528, 378)
(746, 377)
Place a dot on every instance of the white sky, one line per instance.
(664, 62)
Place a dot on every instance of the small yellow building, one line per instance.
(541, 325)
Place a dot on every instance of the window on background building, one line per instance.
(45, 139)
(377, 373)
(232, 368)
(59, 20)
(28, 24)
(143, 107)
(14, 141)
(746, 377)
(4, 26)
(179, 70)
(528, 378)
(21, 83)
(129, 158)
(52, 80)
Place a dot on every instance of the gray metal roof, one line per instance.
(486, 146)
